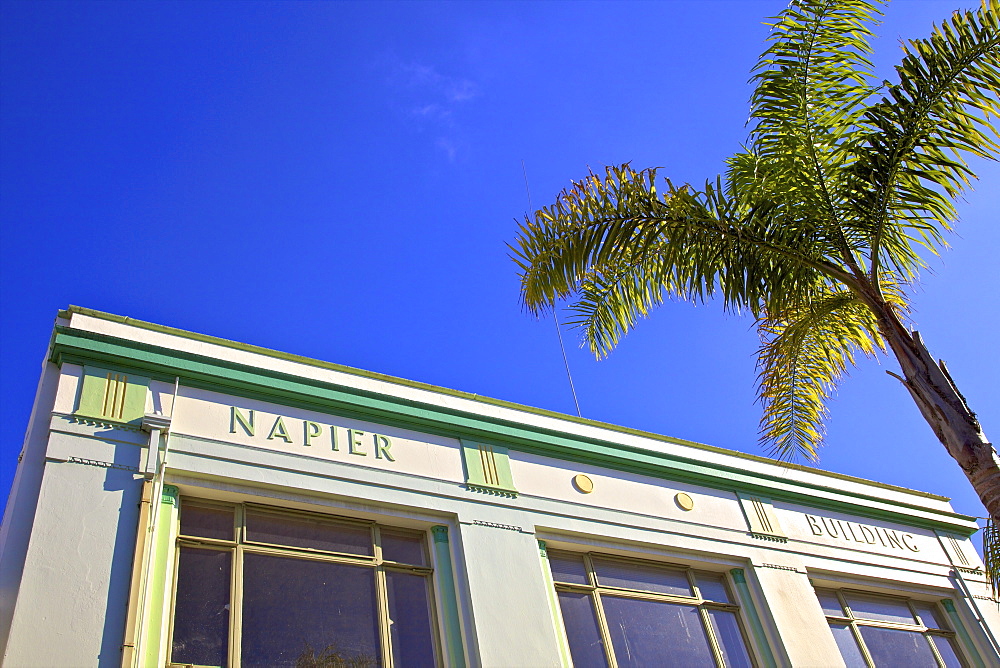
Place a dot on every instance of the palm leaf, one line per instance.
(804, 352)
(910, 164)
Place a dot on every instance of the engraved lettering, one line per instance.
(235, 417)
(831, 528)
(382, 445)
(868, 534)
(311, 430)
(354, 444)
(279, 431)
(906, 538)
(814, 525)
(893, 539)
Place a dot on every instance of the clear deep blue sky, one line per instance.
(338, 180)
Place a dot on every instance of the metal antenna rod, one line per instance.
(555, 316)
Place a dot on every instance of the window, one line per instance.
(620, 612)
(261, 587)
(876, 630)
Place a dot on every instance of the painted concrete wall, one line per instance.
(20, 511)
(74, 592)
(509, 598)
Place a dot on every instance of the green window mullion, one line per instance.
(236, 596)
(602, 624)
(382, 600)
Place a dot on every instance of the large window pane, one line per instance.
(713, 588)
(929, 616)
(848, 646)
(892, 648)
(207, 522)
(310, 533)
(648, 577)
(298, 611)
(201, 607)
(585, 644)
(946, 648)
(880, 608)
(410, 623)
(831, 604)
(655, 633)
(727, 633)
(567, 567)
(403, 547)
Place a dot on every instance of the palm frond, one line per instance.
(616, 239)
(811, 85)
(910, 165)
(804, 352)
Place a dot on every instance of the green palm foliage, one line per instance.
(817, 227)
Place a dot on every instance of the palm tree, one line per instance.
(818, 228)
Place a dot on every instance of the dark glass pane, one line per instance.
(207, 522)
(568, 567)
(881, 608)
(584, 638)
(310, 533)
(946, 648)
(201, 609)
(893, 648)
(713, 587)
(655, 633)
(831, 604)
(298, 612)
(929, 616)
(410, 615)
(848, 646)
(648, 577)
(727, 632)
(406, 548)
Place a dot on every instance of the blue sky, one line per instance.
(339, 180)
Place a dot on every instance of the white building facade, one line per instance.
(183, 500)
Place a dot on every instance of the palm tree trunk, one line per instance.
(947, 413)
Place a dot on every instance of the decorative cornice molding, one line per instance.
(81, 346)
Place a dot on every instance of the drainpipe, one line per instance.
(157, 425)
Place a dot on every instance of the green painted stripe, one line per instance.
(320, 364)
(756, 626)
(158, 602)
(956, 623)
(556, 611)
(81, 347)
(449, 597)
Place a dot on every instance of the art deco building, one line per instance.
(183, 500)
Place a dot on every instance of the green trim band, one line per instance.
(320, 364)
(956, 622)
(83, 347)
(565, 657)
(449, 597)
(752, 616)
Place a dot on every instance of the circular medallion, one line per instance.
(684, 501)
(583, 483)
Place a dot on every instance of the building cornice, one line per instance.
(80, 346)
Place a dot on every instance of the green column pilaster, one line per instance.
(753, 617)
(448, 597)
(963, 633)
(161, 571)
(564, 653)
